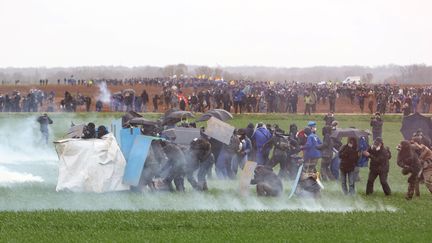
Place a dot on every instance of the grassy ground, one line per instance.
(35, 212)
(163, 226)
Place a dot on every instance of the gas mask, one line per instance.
(376, 146)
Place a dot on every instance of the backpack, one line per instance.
(301, 137)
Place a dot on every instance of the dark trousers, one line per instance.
(237, 107)
(413, 186)
(413, 180)
(307, 109)
(325, 170)
(294, 107)
(383, 180)
(348, 177)
(376, 134)
(332, 106)
(279, 157)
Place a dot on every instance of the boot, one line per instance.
(417, 189)
(410, 192)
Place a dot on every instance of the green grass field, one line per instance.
(34, 212)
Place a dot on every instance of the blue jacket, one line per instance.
(363, 146)
(238, 96)
(261, 136)
(310, 148)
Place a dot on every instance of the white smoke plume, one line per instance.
(104, 93)
(23, 150)
(9, 177)
(223, 196)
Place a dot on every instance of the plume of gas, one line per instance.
(22, 141)
(22, 148)
(104, 93)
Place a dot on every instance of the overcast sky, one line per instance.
(215, 32)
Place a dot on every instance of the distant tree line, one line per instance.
(413, 74)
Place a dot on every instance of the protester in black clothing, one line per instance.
(99, 106)
(87, 101)
(44, 121)
(329, 118)
(379, 165)
(155, 103)
(326, 149)
(249, 130)
(332, 101)
(267, 182)
(376, 123)
(89, 131)
(349, 157)
(145, 100)
(102, 131)
(280, 145)
(226, 100)
(199, 159)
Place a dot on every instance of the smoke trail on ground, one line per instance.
(9, 177)
(223, 196)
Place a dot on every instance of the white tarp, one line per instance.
(90, 165)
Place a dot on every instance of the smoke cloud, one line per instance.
(10, 177)
(219, 198)
(22, 148)
(104, 93)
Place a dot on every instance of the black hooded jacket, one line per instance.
(379, 159)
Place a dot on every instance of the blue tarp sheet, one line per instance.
(128, 136)
(135, 148)
(116, 127)
(137, 157)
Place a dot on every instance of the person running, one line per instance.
(44, 121)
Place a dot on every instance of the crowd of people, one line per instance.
(265, 97)
(302, 151)
(236, 96)
(33, 101)
(36, 100)
(303, 154)
(336, 161)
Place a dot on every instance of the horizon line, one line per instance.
(215, 66)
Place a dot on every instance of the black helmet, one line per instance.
(307, 131)
(91, 125)
(101, 131)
